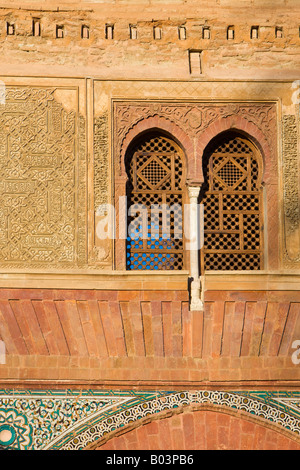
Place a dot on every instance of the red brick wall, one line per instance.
(201, 430)
(149, 338)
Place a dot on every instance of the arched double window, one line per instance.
(231, 195)
(155, 190)
(233, 205)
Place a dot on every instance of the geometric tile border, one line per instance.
(74, 419)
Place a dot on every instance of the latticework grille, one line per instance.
(156, 176)
(232, 207)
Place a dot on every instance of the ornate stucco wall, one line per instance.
(102, 347)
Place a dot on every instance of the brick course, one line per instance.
(90, 339)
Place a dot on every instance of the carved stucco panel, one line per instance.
(193, 118)
(42, 181)
(290, 159)
(102, 250)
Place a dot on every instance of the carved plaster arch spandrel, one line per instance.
(161, 124)
(251, 131)
(193, 122)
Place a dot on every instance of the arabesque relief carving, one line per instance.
(101, 251)
(42, 191)
(192, 118)
(101, 159)
(291, 191)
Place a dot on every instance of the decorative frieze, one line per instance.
(193, 118)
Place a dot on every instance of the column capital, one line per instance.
(194, 191)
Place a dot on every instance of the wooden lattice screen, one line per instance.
(156, 177)
(232, 206)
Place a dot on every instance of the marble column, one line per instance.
(193, 245)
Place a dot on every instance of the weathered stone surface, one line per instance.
(241, 57)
